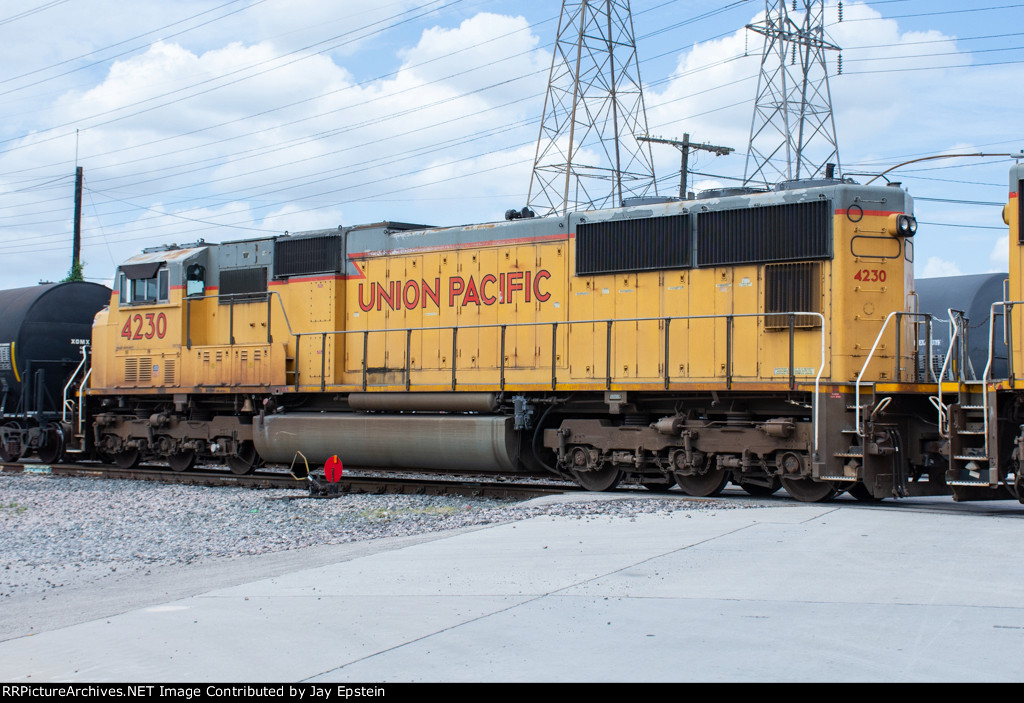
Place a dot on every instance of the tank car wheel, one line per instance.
(53, 445)
(600, 480)
(807, 490)
(759, 490)
(245, 460)
(182, 461)
(8, 454)
(860, 492)
(128, 459)
(703, 485)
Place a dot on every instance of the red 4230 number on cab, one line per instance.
(145, 326)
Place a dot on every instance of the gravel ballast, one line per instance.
(58, 531)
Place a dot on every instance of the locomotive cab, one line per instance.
(184, 324)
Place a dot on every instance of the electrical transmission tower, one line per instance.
(587, 155)
(793, 133)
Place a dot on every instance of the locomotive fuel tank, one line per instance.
(413, 440)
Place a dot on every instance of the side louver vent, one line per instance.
(792, 288)
(138, 369)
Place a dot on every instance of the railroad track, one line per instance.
(472, 488)
(466, 486)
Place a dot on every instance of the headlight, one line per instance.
(900, 225)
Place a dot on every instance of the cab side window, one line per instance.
(195, 279)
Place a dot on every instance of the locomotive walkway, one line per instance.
(920, 591)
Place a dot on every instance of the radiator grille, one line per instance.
(304, 256)
(643, 244)
(765, 234)
(243, 285)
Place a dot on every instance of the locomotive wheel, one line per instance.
(128, 459)
(600, 480)
(756, 489)
(807, 490)
(861, 493)
(53, 446)
(703, 485)
(182, 461)
(245, 460)
(5, 454)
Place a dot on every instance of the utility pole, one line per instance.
(77, 246)
(684, 146)
(587, 155)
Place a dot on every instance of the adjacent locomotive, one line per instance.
(762, 337)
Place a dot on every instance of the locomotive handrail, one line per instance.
(407, 331)
(248, 298)
(81, 401)
(729, 318)
(861, 430)
(74, 374)
(986, 376)
(954, 337)
(595, 321)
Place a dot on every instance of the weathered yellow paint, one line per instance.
(471, 329)
(1016, 291)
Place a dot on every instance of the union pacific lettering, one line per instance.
(491, 289)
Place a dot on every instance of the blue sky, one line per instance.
(221, 119)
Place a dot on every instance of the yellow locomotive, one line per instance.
(762, 337)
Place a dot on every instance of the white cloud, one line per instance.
(1000, 256)
(937, 268)
(286, 148)
(444, 138)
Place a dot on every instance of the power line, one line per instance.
(716, 109)
(252, 4)
(32, 11)
(958, 226)
(363, 83)
(297, 54)
(930, 14)
(931, 68)
(958, 202)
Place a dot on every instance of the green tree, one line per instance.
(75, 272)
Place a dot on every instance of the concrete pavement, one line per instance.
(790, 592)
